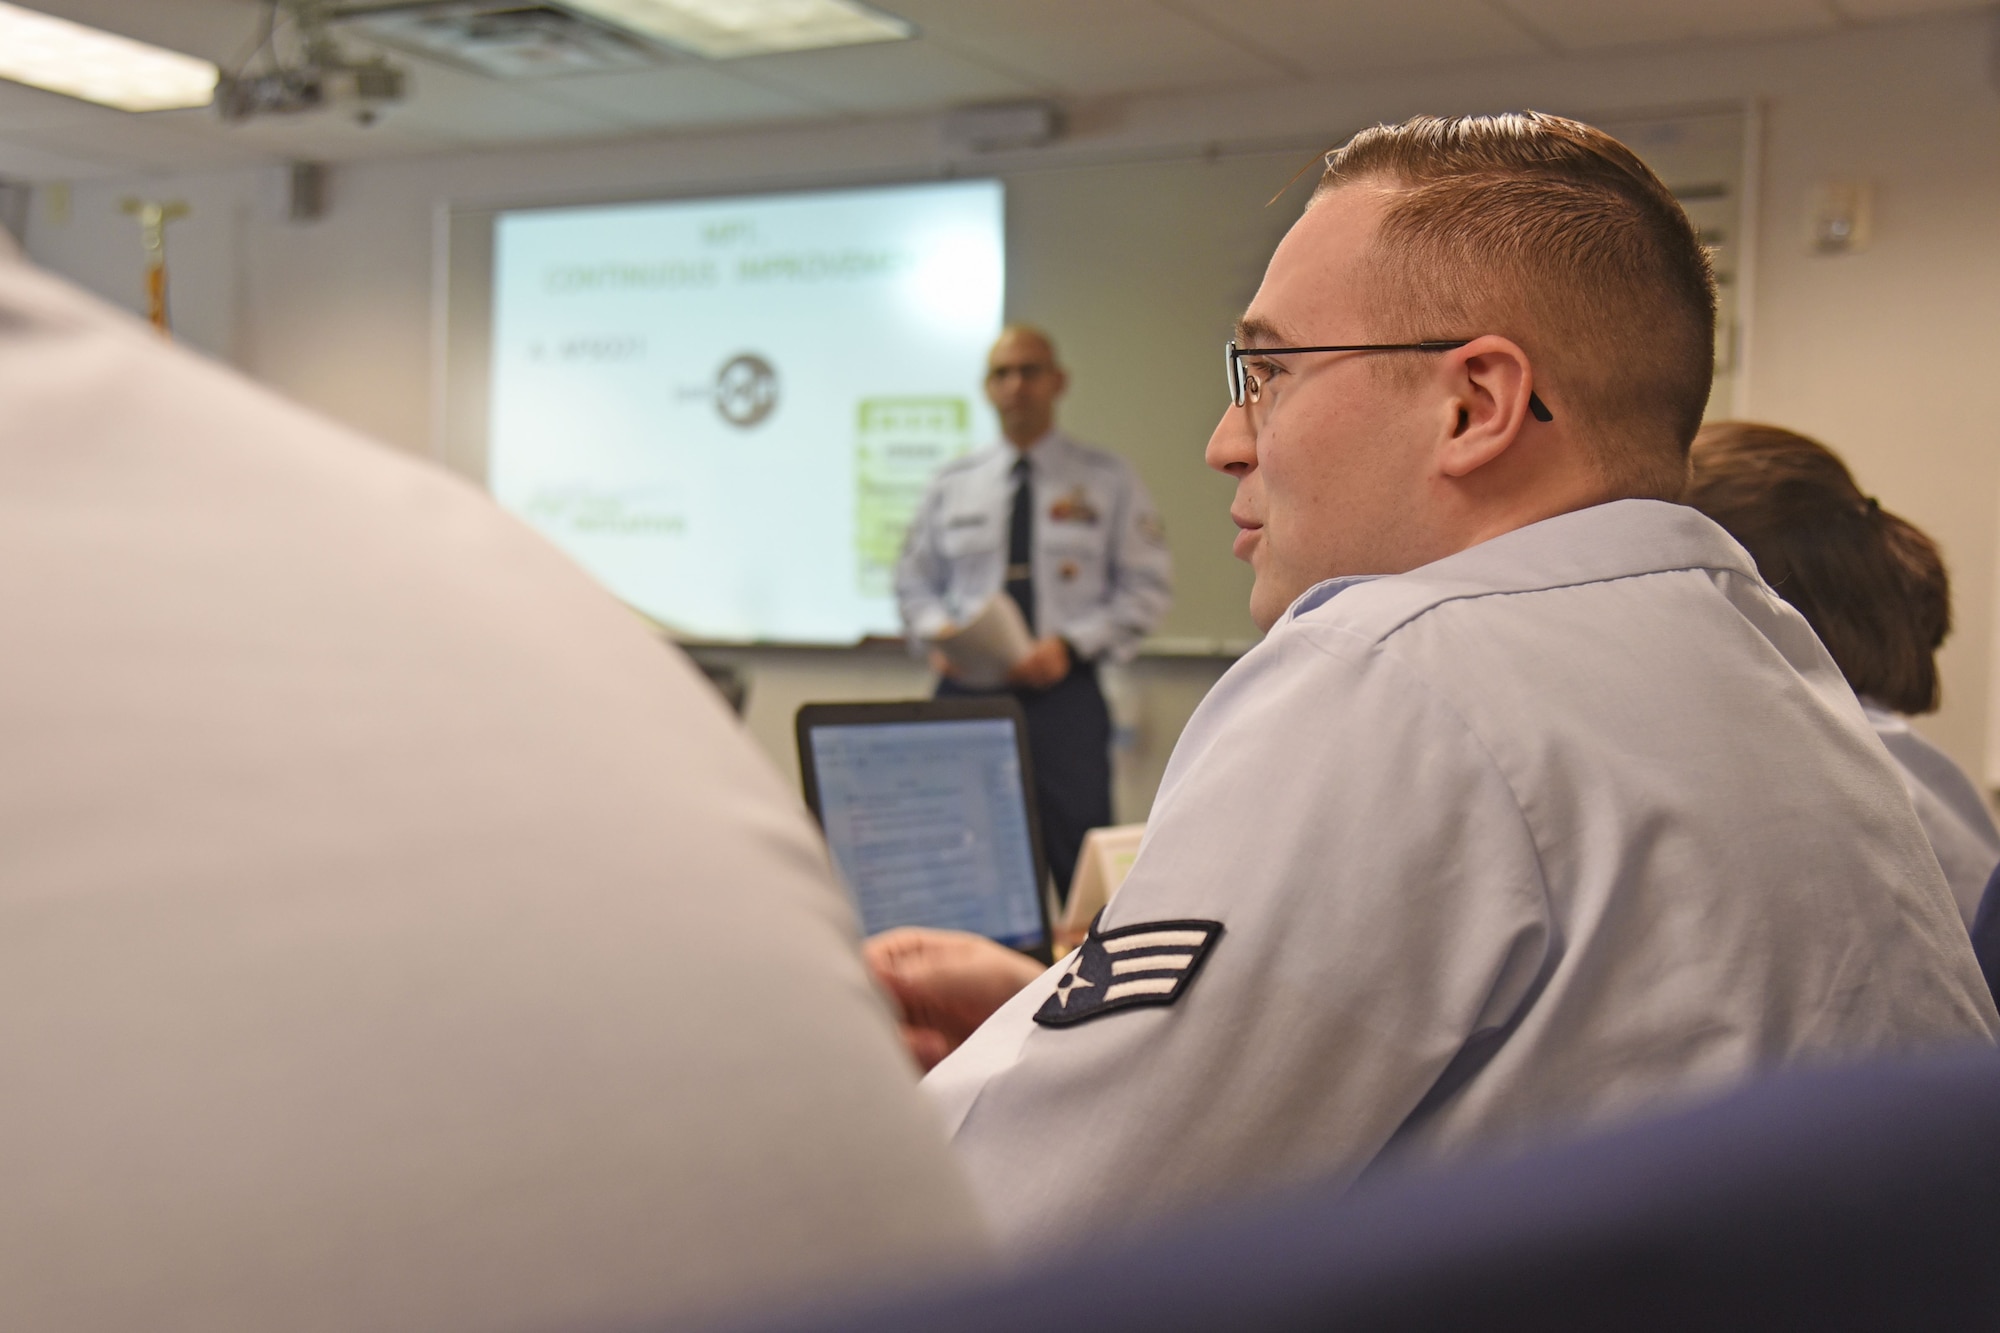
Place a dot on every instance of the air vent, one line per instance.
(504, 39)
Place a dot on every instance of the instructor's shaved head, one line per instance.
(1023, 381)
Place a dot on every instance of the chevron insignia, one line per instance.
(1150, 963)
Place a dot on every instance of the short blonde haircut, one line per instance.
(1553, 234)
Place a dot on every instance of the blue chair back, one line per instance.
(1864, 1198)
(1986, 934)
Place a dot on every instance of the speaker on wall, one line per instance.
(14, 197)
(305, 197)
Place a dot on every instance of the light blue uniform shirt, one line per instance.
(1102, 575)
(1576, 822)
(1948, 806)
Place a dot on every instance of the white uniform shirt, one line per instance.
(1568, 824)
(1954, 817)
(393, 934)
(1102, 574)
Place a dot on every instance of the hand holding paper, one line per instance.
(1044, 667)
(983, 650)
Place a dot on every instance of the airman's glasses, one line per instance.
(1245, 387)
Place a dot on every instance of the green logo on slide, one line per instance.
(901, 443)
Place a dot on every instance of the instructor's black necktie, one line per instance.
(1020, 543)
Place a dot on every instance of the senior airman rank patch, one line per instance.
(1150, 963)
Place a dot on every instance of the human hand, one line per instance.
(944, 983)
(942, 665)
(1045, 665)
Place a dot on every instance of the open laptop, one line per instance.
(928, 807)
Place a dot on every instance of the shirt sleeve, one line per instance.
(1138, 584)
(922, 577)
(1382, 906)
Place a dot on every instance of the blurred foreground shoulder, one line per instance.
(396, 934)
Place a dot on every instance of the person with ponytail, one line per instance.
(1874, 589)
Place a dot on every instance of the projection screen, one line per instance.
(726, 409)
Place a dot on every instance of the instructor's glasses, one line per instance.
(1245, 387)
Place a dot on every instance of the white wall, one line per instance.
(1887, 354)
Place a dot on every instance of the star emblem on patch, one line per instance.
(1072, 983)
(1152, 963)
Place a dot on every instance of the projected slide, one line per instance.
(726, 409)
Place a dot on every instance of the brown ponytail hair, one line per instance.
(1872, 586)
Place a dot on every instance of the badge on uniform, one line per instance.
(1074, 508)
(1151, 963)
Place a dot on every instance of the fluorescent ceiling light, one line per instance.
(99, 66)
(727, 29)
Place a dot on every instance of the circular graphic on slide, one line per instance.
(746, 390)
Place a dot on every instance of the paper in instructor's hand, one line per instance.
(986, 647)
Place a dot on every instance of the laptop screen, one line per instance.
(928, 823)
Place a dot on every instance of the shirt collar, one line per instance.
(1321, 593)
(1037, 453)
(1619, 539)
(1882, 716)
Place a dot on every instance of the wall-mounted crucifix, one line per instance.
(154, 216)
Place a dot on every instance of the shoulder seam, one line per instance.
(1419, 612)
(1376, 648)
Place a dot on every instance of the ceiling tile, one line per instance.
(675, 96)
(1871, 10)
(889, 76)
(141, 143)
(1319, 37)
(969, 51)
(329, 136)
(218, 30)
(197, 140)
(471, 109)
(19, 161)
(25, 108)
(1091, 48)
(1583, 25)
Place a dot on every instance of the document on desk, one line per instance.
(1101, 867)
(984, 649)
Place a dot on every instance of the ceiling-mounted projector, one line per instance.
(366, 87)
(298, 67)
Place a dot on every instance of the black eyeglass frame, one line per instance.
(1239, 389)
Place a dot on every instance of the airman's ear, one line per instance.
(1492, 387)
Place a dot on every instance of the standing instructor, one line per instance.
(1070, 534)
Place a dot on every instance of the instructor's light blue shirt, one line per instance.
(1102, 574)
